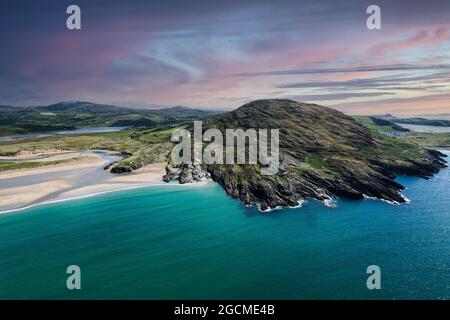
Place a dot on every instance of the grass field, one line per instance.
(4, 166)
(149, 145)
(428, 140)
(72, 115)
(434, 140)
(144, 146)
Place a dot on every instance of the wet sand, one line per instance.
(80, 177)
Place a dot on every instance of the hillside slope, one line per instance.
(324, 153)
(79, 114)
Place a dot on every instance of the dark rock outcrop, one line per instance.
(121, 169)
(186, 173)
(172, 173)
(323, 154)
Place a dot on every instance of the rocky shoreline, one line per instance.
(323, 154)
(380, 185)
(293, 189)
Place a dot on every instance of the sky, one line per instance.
(221, 54)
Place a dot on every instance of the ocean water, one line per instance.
(91, 130)
(194, 242)
(18, 137)
(423, 128)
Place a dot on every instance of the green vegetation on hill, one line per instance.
(379, 125)
(139, 146)
(429, 140)
(4, 166)
(386, 128)
(73, 115)
(324, 153)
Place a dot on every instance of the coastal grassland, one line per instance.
(404, 140)
(129, 141)
(139, 146)
(429, 140)
(6, 130)
(156, 152)
(5, 166)
(114, 141)
(154, 146)
(370, 124)
(395, 149)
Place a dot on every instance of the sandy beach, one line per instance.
(81, 176)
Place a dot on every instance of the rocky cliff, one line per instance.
(323, 153)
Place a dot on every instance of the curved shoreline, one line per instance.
(194, 184)
(149, 176)
(84, 175)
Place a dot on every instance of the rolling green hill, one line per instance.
(324, 153)
(73, 115)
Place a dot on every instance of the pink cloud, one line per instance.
(429, 104)
(420, 38)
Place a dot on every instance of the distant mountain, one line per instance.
(79, 114)
(181, 111)
(324, 153)
(80, 106)
(7, 109)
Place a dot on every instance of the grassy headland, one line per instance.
(324, 153)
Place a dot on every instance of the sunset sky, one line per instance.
(221, 54)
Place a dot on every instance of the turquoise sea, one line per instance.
(193, 242)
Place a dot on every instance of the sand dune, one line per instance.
(80, 177)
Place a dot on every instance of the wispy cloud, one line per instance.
(425, 81)
(396, 67)
(429, 104)
(221, 54)
(338, 96)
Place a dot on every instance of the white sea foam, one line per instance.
(194, 184)
(329, 203)
(299, 205)
(388, 201)
(258, 205)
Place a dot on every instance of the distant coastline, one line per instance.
(20, 137)
(423, 128)
(75, 163)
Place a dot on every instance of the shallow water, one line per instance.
(19, 137)
(423, 128)
(196, 242)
